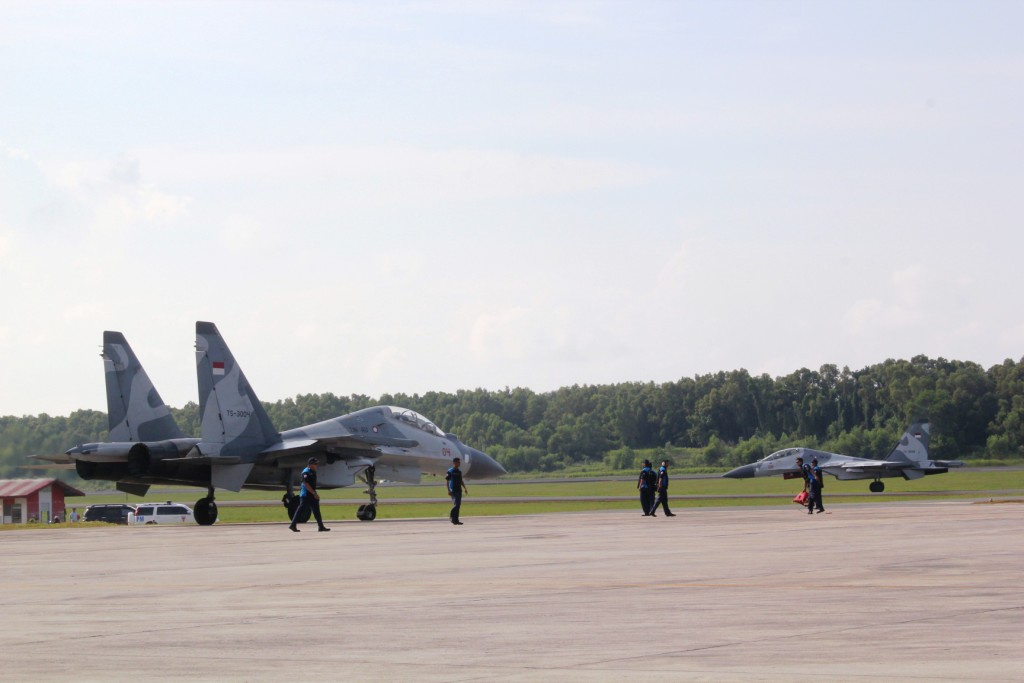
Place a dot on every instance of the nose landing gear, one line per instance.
(368, 513)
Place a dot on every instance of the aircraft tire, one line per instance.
(877, 486)
(293, 505)
(205, 512)
(367, 513)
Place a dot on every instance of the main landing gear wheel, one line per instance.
(293, 505)
(367, 513)
(205, 511)
(876, 487)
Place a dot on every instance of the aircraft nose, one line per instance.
(481, 465)
(741, 472)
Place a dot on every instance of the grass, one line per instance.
(974, 480)
(339, 504)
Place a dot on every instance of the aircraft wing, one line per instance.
(867, 466)
(361, 442)
(57, 458)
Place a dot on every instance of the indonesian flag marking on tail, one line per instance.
(218, 367)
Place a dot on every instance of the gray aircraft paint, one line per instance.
(235, 425)
(233, 421)
(913, 445)
(141, 429)
(135, 411)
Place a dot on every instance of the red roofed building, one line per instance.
(39, 500)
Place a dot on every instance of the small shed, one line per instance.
(34, 500)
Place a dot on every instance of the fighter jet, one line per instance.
(908, 459)
(239, 447)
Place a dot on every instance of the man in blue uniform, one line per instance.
(662, 489)
(455, 488)
(645, 484)
(817, 482)
(309, 497)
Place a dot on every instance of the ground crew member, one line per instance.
(74, 515)
(805, 472)
(817, 484)
(662, 489)
(309, 497)
(645, 484)
(455, 488)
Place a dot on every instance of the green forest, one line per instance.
(706, 422)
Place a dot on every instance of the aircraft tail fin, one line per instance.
(233, 420)
(135, 411)
(913, 445)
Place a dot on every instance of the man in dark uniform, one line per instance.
(309, 498)
(455, 488)
(805, 472)
(645, 484)
(662, 488)
(817, 483)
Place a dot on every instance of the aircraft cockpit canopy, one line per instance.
(413, 418)
(782, 454)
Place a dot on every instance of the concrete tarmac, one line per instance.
(906, 591)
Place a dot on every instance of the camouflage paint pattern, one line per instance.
(135, 411)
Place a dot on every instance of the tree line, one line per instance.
(715, 420)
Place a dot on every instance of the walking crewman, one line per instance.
(645, 484)
(309, 497)
(805, 472)
(817, 484)
(455, 488)
(662, 489)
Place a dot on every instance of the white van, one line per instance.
(161, 513)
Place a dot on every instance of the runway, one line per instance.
(904, 591)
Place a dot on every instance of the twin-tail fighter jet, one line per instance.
(238, 446)
(909, 459)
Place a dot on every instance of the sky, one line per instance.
(401, 197)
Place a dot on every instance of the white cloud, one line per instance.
(905, 305)
(1012, 336)
(14, 153)
(385, 174)
(383, 362)
(503, 335)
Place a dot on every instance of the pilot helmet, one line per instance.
(312, 461)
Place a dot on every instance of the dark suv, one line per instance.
(114, 513)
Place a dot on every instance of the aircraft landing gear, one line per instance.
(368, 513)
(877, 486)
(291, 504)
(206, 510)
